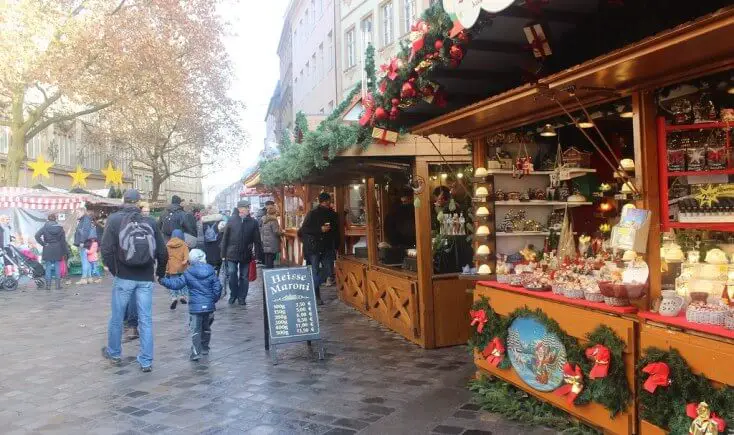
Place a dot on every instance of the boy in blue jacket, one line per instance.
(204, 289)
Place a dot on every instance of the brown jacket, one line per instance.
(178, 257)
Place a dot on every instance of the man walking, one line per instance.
(320, 234)
(240, 234)
(175, 218)
(130, 248)
(85, 231)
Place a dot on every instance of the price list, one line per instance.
(280, 318)
(290, 305)
(304, 318)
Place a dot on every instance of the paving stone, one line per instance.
(351, 423)
(469, 415)
(471, 407)
(448, 429)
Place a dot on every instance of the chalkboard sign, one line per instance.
(291, 305)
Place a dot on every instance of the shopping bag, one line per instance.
(63, 269)
(253, 271)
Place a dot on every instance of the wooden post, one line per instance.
(425, 257)
(339, 206)
(645, 136)
(371, 203)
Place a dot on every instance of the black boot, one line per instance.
(48, 284)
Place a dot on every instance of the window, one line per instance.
(367, 31)
(331, 106)
(295, 38)
(316, 69)
(386, 16)
(330, 54)
(321, 110)
(313, 9)
(4, 139)
(409, 14)
(308, 69)
(321, 60)
(351, 48)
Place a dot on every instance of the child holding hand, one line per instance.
(178, 260)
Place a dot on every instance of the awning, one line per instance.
(253, 180)
(350, 170)
(35, 199)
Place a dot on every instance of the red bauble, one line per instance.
(427, 91)
(380, 114)
(456, 52)
(394, 113)
(407, 91)
(395, 102)
(438, 44)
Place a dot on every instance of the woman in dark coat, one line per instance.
(211, 233)
(55, 248)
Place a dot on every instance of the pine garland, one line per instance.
(612, 392)
(514, 404)
(666, 407)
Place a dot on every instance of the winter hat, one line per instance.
(176, 200)
(197, 256)
(131, 196)
(177, 234)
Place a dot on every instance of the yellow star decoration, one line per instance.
(708, 195)
(40, 167)
(79, 177)
(112, 175)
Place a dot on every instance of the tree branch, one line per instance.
(118, 8)
(56, 119)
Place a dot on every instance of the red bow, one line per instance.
(494, 352)
(600, 355)
(573, 378)
(417, 36)
(479, 318)
(659, 376)
(692, 412)
(391, 69)
(368, 102)
(716, 155)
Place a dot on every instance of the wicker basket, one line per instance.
(504, 278)
(729, 321)
(696, 315)
(593, 296)
(616, 302)
(573, 293)
(557, 289)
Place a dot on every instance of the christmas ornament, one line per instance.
(79, 177)
(478, 318)
(423, 65)
(463, 37)
(40, 167)
(428, 92)
(600, 355)
(704, 421)
(112, 175)
(438, 44)
(368, 102)
(395, 102)
(391, 69)
(573, 379)
(407, 90)
(440, 99)
(659, 376)
(494, 353)
(456, 53)
(394, 112)
(417, 37)
(537, 41)
(380, 114)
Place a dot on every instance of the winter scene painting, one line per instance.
(536, 355)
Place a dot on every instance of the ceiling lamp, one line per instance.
(460, 175)
(626, 113)
(444, 175)
(730, 90)
(548, 131)
(585, 124)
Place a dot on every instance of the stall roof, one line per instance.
(349, 170)
(692, 49)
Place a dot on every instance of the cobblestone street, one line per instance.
(53, 379)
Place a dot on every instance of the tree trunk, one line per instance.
(157, 182)
(16, 155)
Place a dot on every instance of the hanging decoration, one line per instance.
(478, 319)
(600, 355)
(704, 421)
(659, 376)
(384, 136)
(390, 70)
(417, 37)
(368, 102)
(573, 379)
(112, 176)
(537, 42)
(40, 167)
(79, 177)
(494, 352)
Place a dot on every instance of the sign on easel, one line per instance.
(290, 313)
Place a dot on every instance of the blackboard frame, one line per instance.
(268, 308)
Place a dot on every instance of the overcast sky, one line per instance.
(252, 48)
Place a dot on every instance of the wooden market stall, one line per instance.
(631, 75)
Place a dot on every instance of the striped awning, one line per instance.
(253, 180)
(35, 199)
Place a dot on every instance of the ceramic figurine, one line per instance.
(703, 424)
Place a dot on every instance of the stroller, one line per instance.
(18, 264)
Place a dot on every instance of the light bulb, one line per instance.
(548, 131)
(444, 175)
(585, 124)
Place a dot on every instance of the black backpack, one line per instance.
(136, 242)
(170, 222)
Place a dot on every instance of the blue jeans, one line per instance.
(53, 270)
(239, 282)
(131, 313)
(86, 265)
(322, 265)
(122, 290)
(94, 268)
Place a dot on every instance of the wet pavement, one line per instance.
(54, 381)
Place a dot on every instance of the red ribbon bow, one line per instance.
(494, 352)
(391, 69)
(417, 36)
(692, 412)
(659, 376)
(368, 102)
(600, 355)
(479, 318)
(573, 378)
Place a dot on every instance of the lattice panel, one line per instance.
(351, 284)
(393, 302)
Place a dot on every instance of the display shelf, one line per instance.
(474, 277)
(680, 322)
(699, 126)
(724, 226)
(572, 171)
(524, 234)
(542, 203)
(601, 306)
(701, 173)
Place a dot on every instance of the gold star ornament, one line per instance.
(40, 167)
(708, 195)
(79, 177)
(112, 175)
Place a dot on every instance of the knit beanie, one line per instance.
(178, 234)
(197, 256)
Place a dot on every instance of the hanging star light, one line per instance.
(40, 167)
(112, 175)
(79, 177)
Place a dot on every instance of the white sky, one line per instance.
(252, 48)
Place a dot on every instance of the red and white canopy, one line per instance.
(35, 199)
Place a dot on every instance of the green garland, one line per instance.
(612, 391)
(666, 407)
(516, 405)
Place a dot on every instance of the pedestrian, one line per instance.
(130, 248)
(178, 260)
(93, 259)
(320, 235)
(212, 227)
(271, 234)
(131, 313)
(52, 238)
(175, 218)
(204, 291)
(85, 231)
(241, 234)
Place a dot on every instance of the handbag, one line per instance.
(63, 269)
(252, 272)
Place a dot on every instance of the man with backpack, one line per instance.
(131, 246)
(176, 218)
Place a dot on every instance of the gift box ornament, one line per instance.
(384, 136)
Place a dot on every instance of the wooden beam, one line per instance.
(497, 46)
(570, 17)
(369, 198)
(425, 258)
(340, 203)
(477, 74)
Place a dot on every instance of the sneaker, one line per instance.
(329, 283)
(183, 300)
(232, 301)
(194, 356)
(83, 282)
(174, 302)
(97, 280)
(147, 369)
(205, 352)
(113, 359)
(243, 303)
